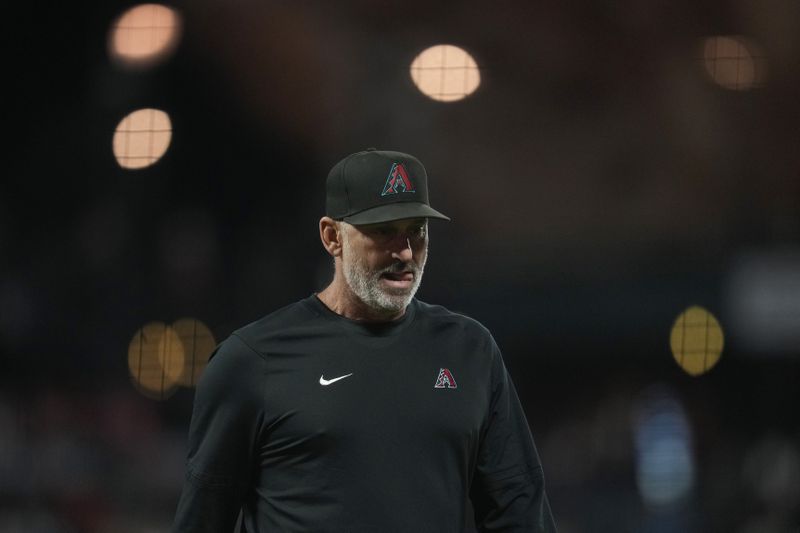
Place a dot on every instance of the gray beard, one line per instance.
(365, 283)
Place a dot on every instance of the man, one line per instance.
(361, 409)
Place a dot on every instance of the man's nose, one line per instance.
(401, 250)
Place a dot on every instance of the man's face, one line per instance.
(383, 263)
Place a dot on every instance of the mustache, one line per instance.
(400, 266)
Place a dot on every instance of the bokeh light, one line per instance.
(734, 62)
(445, 73)
(142, 138)
(198, 343)
(762, 300)
(144, 35)
(696, 340)
(156, 360)
(664, 463)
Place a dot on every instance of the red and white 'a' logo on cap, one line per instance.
(445, 380)
(397, 180)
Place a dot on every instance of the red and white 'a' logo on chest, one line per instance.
(445, 380)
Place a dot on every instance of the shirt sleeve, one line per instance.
(223, 436)
(507, 490)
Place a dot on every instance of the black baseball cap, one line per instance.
(378, 186)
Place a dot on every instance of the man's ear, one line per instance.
(330, 233)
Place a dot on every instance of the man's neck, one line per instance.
(341, 300)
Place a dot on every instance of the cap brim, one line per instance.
(396, 211)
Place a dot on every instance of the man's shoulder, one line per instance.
(288, 315)
(441, 316)
(281, 323)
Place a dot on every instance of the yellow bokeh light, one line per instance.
(144, 35)
(734, 62)
(696, 340)
(445, 73)
(142, 138)
(156, 360)
(198, 343)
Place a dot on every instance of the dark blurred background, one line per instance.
(619, 162)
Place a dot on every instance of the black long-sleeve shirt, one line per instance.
(308, 421)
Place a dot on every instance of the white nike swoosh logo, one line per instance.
(326, 382)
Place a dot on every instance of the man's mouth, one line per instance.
(398, 276)
(401, 281)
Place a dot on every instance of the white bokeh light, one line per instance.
(144, 35)
(445, 73)
(142, 138)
